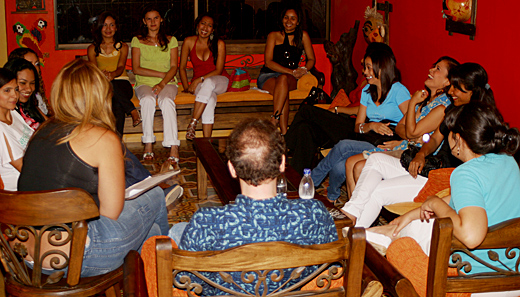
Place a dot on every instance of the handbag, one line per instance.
(239, 81)
(317, 96)
(377, 139)
(431, 162)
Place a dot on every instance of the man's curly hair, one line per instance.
(255, 149)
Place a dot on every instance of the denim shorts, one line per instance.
(263, 77)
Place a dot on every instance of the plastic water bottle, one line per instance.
(306, 189)
(281, 185)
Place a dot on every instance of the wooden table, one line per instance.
(212, 162)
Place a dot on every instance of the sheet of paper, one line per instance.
(146, 184)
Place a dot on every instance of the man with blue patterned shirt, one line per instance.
(256, 157)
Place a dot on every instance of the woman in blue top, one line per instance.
(383, 99)
(484, 189)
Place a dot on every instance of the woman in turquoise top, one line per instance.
(154, 63)
(484, 189)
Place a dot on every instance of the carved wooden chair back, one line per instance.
(504, 235)
(265, 260)
(47, 225)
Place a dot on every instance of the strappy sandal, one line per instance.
(147, 156)
(276, 117)
(190, 131)
(174, 162)
(137, 121)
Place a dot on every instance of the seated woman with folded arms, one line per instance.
(109, 53)
(484, 192)
(81, 149)
(207, 54)
(14, 131)
(385, 181)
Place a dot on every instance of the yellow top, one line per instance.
(153, 57)
(109, 62)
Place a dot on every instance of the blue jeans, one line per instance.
(176, 232)
(110, 241)
(334, 165)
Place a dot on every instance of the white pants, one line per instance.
(207, 92)
(383, 181)
(166, 103)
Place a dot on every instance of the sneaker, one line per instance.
(173, 193)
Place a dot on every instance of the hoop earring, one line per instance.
(211, 36)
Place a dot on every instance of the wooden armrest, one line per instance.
(392, 280)
(134, 282)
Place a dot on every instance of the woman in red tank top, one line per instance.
(208, 55)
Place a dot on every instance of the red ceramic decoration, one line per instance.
(458, 10)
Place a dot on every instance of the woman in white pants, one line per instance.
(154, 62)
(207, 54)
(384, 181)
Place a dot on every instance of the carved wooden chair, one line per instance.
(394, 283)
(32, 223)
(444, 245)
(264, 260)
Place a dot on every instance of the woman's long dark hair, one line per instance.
(451, 64)
(161, 35)
(97, 36)
(481, 126)
(384, 61)
(474, 78)
(31, 106)
(212, 42)
(20, 53)
(298, 32)
(6, 76)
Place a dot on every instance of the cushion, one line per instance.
(150, 267)
(438, 180)
(341, 99)
(408, 257)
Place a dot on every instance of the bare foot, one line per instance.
(387, 230)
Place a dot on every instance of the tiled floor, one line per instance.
(183, 208)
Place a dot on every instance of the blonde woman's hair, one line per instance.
(81, 96)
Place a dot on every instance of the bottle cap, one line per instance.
(306, 171)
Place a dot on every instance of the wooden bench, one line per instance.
(231, 107)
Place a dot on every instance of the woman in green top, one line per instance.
(154, 63)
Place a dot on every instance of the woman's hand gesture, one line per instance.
(381, 128)
(416, 165)
(389, 145)
(418, 96)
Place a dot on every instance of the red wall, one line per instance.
(53, 59)
(418, 38)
